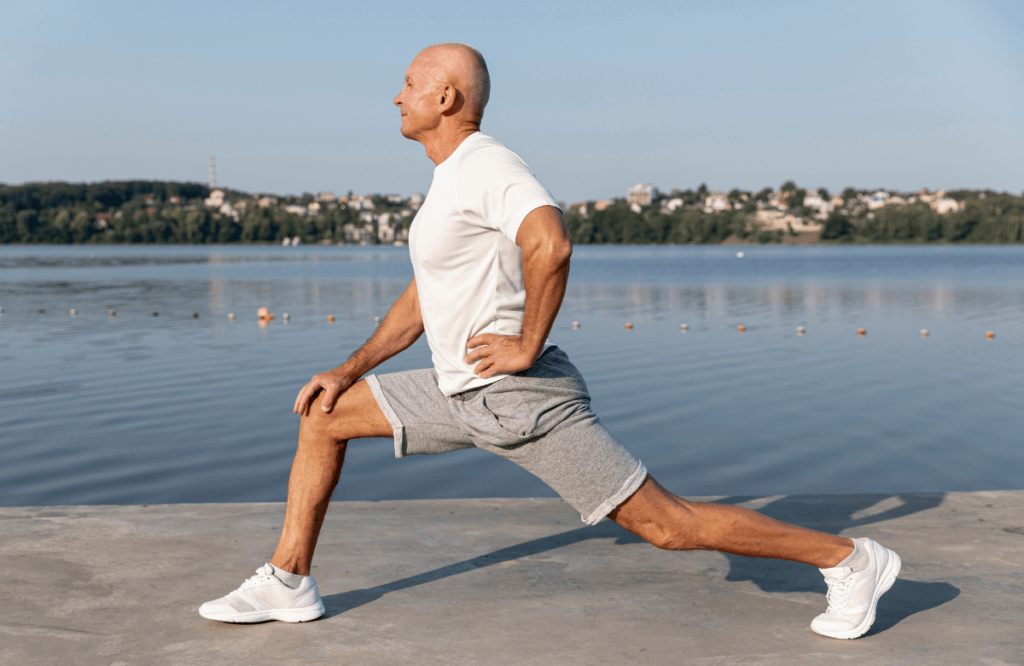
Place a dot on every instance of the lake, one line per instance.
(146, 409)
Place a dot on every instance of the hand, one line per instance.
(333, 383)
(499, 353)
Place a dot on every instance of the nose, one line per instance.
(397, 101)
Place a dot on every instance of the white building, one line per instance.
(326, 197)
(672, 205)
(640, 194)
(946, 205)
(416, 200)
(296, 209)
(877, 200)
(227, 209)
(821, 206)
(215, 200)
(385, 231)
(716, 201)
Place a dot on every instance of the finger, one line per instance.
(331, 394)
(307, 393)
(482, 339)
(298, 399)
(482, 367)
(479, 353)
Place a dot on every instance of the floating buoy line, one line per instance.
(264, 315)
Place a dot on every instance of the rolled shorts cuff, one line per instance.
(632, 484)
(389, 413)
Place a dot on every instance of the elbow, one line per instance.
(561, 250)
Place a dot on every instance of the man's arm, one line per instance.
(400, 328)
(547, 247)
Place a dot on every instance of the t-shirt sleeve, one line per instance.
(497, 190)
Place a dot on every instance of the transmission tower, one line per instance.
(213, 173)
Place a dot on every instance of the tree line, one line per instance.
(987, 217)
(168, 212)
(153, 212)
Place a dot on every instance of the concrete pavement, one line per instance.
(503, 581)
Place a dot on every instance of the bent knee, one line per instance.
(355, 414)
(674, 528)
(316, 420)
(670, 538)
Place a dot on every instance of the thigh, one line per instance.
(419, 414)
(356, 414)
(582, 462)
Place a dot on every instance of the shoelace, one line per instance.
(263, 574)
(838, 594)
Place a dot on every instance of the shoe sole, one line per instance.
(281, 614)
(892, 569)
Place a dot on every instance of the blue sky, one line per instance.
(595, 96)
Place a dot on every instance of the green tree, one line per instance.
(837, 227)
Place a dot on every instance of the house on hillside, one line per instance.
(215, 200)
(640, 194)
(715, 202)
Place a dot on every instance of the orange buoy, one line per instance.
(800, 330)
(330, 318)
(989, 334)
(741, 328)
(862, 331)
(629, 326)
(112, 313)
(263, 313)
(924, 332)
(684, 327)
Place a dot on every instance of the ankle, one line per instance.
(293, 565)
(839, 554)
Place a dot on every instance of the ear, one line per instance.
(451, 100)
(448, 94)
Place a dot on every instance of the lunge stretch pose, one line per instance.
(490, 254)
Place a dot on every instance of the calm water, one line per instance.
(143, 409)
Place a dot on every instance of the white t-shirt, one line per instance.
(469, 270)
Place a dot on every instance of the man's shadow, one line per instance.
(904, 599)
(836, 515)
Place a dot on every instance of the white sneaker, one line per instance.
(266, 597)
(853, 595)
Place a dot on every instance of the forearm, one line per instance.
(545, 274)
(402, 326)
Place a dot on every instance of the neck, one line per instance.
(441, 144)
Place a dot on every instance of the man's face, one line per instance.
(420, 98)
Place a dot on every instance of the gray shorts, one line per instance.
(539, 418)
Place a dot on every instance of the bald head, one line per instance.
(464, 67)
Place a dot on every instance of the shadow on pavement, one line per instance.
(842, 515)
(834, 515)
(346, 601)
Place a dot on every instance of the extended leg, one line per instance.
(673, 523)
(323, 439)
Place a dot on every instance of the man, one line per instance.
(490, 254)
